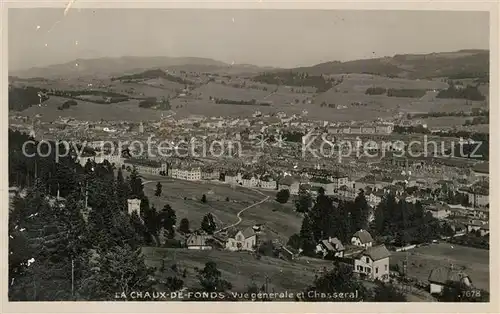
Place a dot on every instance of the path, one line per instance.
(238, 215)
(243, 210)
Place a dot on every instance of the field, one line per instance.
(124, 111)
(360, 82)
(444, 122)
(240, 268)
(280, 221)
(421, 261)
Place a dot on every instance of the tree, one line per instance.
(208, 223)
(339, 279)
(136, 187)
(168, 220)
(387, 293)
(122, 190)
(295, 241)
(119, 269)
(203, 198)
(308, 242)
(158, 189)
(360, 212)
(305, 201)
(184, 225)
(282, 196)
(210, 279)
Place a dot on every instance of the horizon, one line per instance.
(242, 64)
(50, 38)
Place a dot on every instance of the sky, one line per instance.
(279, 38)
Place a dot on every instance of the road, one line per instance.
(238, 215)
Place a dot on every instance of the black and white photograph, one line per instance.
(248, 155)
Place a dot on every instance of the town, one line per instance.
(232, 182)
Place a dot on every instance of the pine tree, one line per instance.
(210, 279)
(168, 220)
(208, 223)
(305, 201)
(119, 269)
(158, 189)
(135, 183)
(360, 212)
(122, 190)
(306, 235)
(184, 225)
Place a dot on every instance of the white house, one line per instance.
(373, 262)
(242, 240)
(362, 238)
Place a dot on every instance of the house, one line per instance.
(475, 225)
(249, 181)
(242, 240)
(232, 178)
(439, 211)
(288, 253)
(267, 182)
(373, 263)
(198, 241)
(330, 246)
(374, 198)
(442, 277)
(362, 238)
(347, 192)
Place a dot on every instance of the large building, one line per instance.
(186, 173)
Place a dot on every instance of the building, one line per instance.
(210, 174)
(268, 183)
(146, 166)
(186, 173)
(250, 181)
(330, 247)
(439, 211)
(347, 192)
(289, 183)
(134, 205)
(442, 277)
(242, 240)
(374, 198)
(232, 178)
(362, 238)
(373, 263)
(198, 241)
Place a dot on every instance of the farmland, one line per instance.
(475, 262)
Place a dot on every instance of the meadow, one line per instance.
(280, 221)
(474, 262)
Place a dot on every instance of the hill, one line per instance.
(459, 64)
(105, 67)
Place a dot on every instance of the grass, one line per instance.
(240, 268)
(280, 220)
(421, 261)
